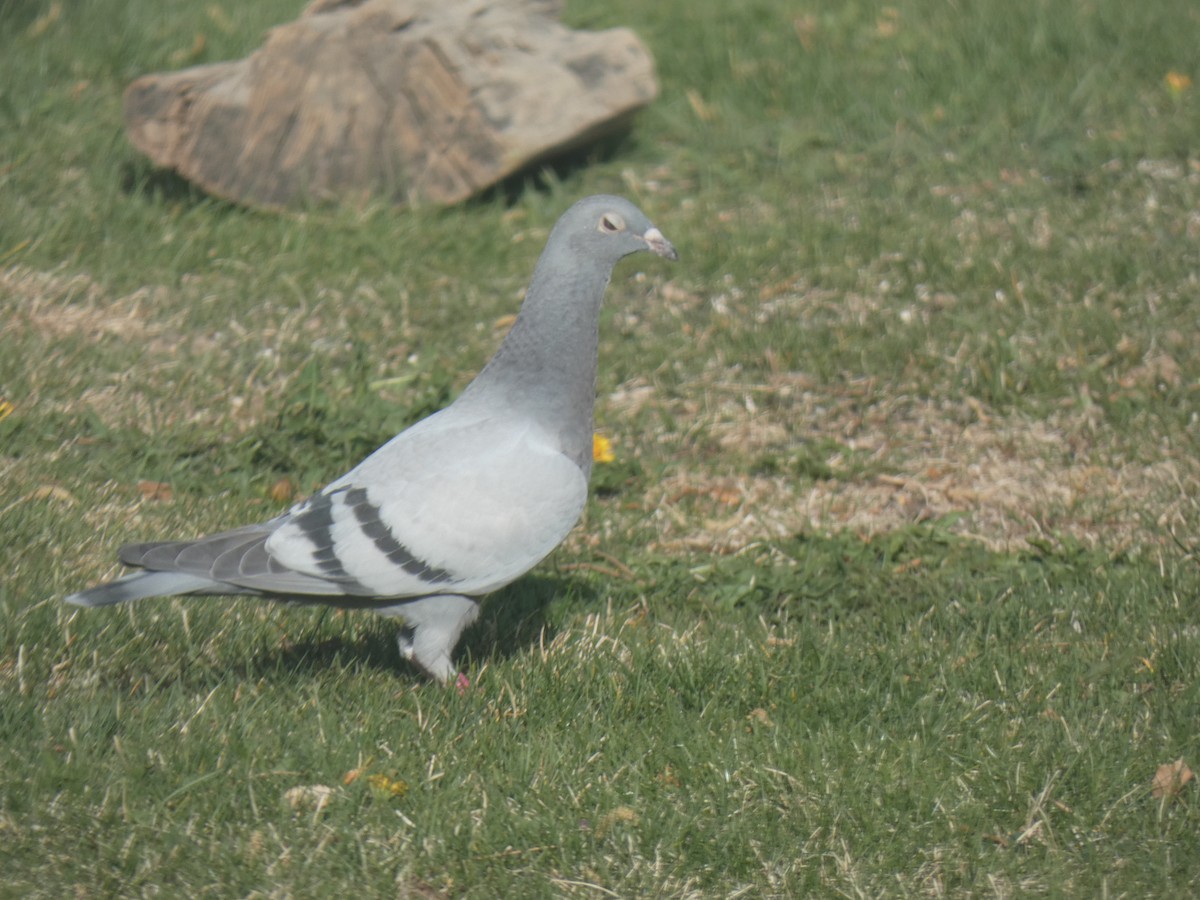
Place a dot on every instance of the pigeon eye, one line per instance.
(611, 223)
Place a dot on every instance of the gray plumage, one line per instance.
(456, 506)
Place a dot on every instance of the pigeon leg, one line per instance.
(432, 626)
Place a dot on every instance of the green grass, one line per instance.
(891, 589)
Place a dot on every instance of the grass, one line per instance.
(890, 590)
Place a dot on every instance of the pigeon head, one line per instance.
(605, 229)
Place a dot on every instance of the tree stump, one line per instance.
(408, 100)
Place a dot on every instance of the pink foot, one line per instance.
(462, 683)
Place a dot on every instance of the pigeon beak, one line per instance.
(655, 241)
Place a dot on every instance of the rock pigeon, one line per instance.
(455, 506)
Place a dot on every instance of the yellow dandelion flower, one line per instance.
(1177, 82)
(6, 409)
(388, 786)
(602, 449)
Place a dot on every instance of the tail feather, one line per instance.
(147, 584)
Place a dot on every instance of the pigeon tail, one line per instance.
(145, 584)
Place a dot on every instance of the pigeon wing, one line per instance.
(445, 507)
(236, 559)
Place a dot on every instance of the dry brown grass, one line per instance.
(1005, 478)
(134, 360)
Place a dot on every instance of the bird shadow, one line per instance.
(515, 619)
(511, 621)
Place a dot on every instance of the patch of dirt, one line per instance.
(155, 370)
(1002, 480)
(59, 305)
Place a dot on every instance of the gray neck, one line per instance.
(546, 368)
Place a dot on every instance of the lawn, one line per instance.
(890, 589)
